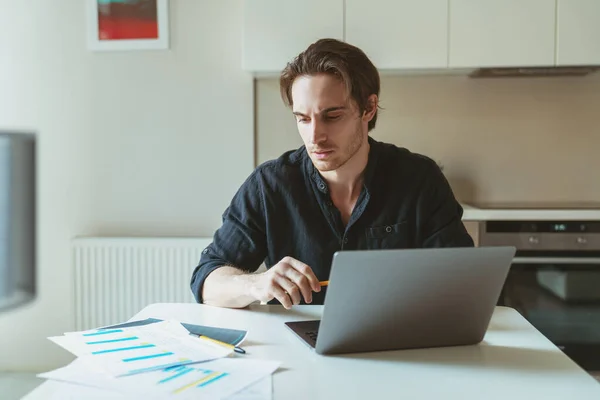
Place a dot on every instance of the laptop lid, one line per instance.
(411, 298)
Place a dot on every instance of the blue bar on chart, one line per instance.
(183, 361)
(125, 339)
(180, 371)
(144, 346)
(105, 332)
(166, 353)
(213, 379)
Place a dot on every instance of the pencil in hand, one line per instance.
(324, 283)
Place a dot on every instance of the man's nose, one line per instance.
(317, 132)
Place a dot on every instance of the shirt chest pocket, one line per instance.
(393, 236)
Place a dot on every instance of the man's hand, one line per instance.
(285, 281)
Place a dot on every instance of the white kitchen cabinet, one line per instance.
(578, 32)
(497, 33)
(398, 34)
(275, 31)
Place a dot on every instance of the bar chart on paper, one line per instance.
(192, 381)
(158, 360)
(139, 349)
(216, 379)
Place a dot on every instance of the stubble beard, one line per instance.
(351, 149)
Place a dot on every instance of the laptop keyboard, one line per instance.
(312, 335)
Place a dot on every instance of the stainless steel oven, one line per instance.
(554, 281)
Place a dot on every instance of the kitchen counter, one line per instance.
(493, 213)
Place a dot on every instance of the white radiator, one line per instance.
(117, 277)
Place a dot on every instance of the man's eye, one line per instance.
(333, 117)
(302, 120)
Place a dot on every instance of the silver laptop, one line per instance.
(401, 299)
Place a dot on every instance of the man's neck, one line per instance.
(345, 182)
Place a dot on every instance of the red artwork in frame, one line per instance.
(128, 24)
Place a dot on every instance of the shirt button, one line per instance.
(346, 240)
(388, 229)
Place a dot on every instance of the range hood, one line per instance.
(511, 72)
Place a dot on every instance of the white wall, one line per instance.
(136, 143)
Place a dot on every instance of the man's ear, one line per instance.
(371, 108)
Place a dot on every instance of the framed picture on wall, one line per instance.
(128, 25)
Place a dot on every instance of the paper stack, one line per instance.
(158, 360)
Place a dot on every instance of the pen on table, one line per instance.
(324, 283)
(235, 348)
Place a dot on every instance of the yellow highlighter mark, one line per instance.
(196, 383)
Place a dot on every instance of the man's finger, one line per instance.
(282, 296)
(301, 282)
(290, 287)
(305, 270)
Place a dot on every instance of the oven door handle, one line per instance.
(557, 260)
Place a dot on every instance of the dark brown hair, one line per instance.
(343, 60)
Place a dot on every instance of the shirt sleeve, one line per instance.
(240, 242)
(440, 214)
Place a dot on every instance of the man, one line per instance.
(341, 190)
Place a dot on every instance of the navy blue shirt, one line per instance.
(284, 209)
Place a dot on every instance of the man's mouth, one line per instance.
(322, 153)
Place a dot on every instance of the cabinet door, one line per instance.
(578, 32)
(275, 31)
(399, 34)
(497, 33)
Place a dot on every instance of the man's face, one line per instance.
(329, 123)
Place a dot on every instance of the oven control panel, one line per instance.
(542, 226)
(542, 235)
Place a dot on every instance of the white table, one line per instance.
(514, 361)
